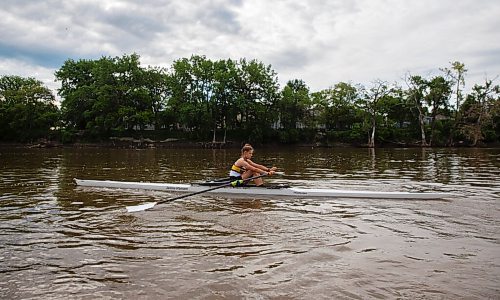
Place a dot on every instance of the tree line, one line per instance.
(201, 99)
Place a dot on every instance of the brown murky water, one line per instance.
(60, 241)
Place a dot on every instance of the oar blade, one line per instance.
(141, 207)
(145, 206)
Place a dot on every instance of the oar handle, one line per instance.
(211, 189)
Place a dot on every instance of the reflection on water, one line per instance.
(57, 240)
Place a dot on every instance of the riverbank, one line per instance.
(146, 143)
(126, 143)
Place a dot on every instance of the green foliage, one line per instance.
(224, 94)
(200, 99)
(293, 105)
(289, 136)
(480, 114)
(336, 107)
(110, 94)
(356, 135)
(27, 109)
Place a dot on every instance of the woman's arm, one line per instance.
(260, 167)
(248, 165)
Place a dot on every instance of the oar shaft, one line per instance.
(143, 207)
(192, 194)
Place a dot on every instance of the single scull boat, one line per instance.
(261, 191)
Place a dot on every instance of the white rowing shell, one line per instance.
(259, 191)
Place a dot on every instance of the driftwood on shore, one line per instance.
(129, 142)
(214, 145)
(173, 143)
(44, 143)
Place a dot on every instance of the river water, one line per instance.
(61, 241)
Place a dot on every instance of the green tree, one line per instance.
(225, 93)
(157, 84)
(416, 93)
(109, 94)
(77, 91)
(256, 97)
(337, 106)
(294, 104)
(369, 104)
(456, 75)
(27, 109)
(396, 114)
(192, 86)
(210, 95)
(481, 112)
(123, 102)
(438, 100)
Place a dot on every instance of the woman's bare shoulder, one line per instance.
(240, 161)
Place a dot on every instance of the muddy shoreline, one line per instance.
(145, 143)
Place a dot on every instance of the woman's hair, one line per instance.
(246, 148)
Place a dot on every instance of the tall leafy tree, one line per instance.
(27, 109)
(370, 105)
(106, 94)
(123, 101)
(203, 76)
(192, 91)
(456, 75)
(157, 83)
(438, 100)
(78, 91)
(416, 92)
(337, 106)
(225, 93)
(294, 104)
(395, 115)
(257, 93)
(481, 109)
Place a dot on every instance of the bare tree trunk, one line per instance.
(371, 139)
(379, 91)
(422, 127)
(225, 129)
(477, 128)
(454, 128)
(460, 70)
(433, 124)
(431, 137)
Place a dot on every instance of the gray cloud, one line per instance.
(221, 19)
(321, 42)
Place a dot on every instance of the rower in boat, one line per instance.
(245, 168)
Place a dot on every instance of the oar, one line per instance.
(142, 207)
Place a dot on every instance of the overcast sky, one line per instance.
(320, 42)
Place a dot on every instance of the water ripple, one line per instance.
(57, 240)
